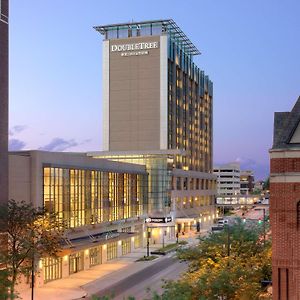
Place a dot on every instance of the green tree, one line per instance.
(215, 275)
(31, 234)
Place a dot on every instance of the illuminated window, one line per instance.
(52, 268)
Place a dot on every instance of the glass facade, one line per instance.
(112, 250)
(190, 95)
(159, 168)
(126, 246)
(138, 239)
(95, 256)
(82, 197)
(52, 268)
(76, 262)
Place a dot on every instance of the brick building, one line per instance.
(285, 204)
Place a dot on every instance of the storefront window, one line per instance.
(76, 262)
(52, 268)
(95, 256)
(112, 250)
(126, 246)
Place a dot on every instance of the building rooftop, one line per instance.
(285, 126)
(146, 28)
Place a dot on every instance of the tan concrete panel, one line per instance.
(134, 98)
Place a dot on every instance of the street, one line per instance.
(151, 277)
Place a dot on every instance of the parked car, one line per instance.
(222, 222)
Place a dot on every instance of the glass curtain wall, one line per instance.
(190, 96)
(52, 268)
(159, 168)
(81, 197)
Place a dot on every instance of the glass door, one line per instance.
(76, 262)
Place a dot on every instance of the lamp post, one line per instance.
(32, 277)
(228, 241)
(148, 240)
(163, 239)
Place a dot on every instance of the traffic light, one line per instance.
(259, 221)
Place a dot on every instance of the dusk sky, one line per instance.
(250, 50)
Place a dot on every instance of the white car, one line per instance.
(222, 222)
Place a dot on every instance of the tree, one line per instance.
(267, 184)
(215, 275)
(31, 234)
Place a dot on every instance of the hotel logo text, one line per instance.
(134, 49)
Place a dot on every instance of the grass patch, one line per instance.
(182, 242)
(147, 258)
(168, 247)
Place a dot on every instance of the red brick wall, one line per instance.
(284, 197)
(280, 165)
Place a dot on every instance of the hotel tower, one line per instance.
(157, 111)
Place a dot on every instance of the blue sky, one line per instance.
(250, 49)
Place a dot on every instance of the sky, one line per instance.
(250, 50)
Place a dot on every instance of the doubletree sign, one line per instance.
(159, 220)
(134, 49)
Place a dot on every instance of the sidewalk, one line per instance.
(87, 282)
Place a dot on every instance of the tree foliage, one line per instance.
(31, 234)
(215, 275)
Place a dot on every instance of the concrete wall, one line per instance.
(134, 97)
(19, 178)
(3, 101)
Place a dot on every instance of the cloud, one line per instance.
(59, 144)
(17, 129)
(15, 145)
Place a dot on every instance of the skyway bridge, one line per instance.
(241, 200)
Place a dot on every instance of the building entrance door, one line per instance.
(76, 262)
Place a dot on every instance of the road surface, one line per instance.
(151, 277)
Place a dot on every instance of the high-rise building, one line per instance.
(157, 111)
(3, 101)
(228, 179)
(285, 204)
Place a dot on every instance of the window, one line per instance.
(112, 250)
(95, 256)
(80, 197)
(126, 246)
(52, 268)
(76, 261)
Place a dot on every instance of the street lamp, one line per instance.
(148, 240)
(228, 241)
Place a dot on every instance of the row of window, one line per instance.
(185, 183)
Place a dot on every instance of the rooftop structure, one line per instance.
(148, 28)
